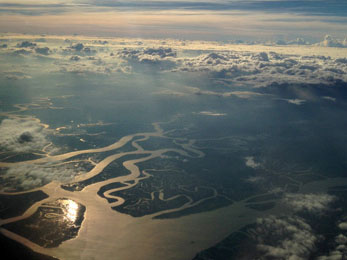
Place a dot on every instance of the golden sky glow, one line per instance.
(180, 24)
(177, 19)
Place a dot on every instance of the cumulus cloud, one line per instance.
(30, 176)
(103, 42)
(261, 56)
(22, 135)
(341, 239)
(239, 67)
(331, 42)
(250, 162)
(75, 58)
(21, 52)
(284, 238)
(26, 44)
(77, 46)
(297, 41)
(79, 49)
(161, 52)
(340, 250)
(343, 225)
(313, 203)
(341, 60)
(290, 236)
(266, 68)
(163, 57)
(43, 50)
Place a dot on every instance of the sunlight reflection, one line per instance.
(71, 210)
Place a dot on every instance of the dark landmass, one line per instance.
(238, 245)
(114, 185)
(53, 223)
(14, 157)
(16, 205)
(144, 205)
(155, 143)
(114, 169)
(207, 205)
(184, 183)
(13, 250)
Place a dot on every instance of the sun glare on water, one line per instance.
(71, 209)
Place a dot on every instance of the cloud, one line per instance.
(170, 92)
(22, 52)
(26, 44)
(29, 176)
(284, 238)
(342, 225)
(297, 41)
(329, 98)
(256, 179)
(342, 60)
(22, 135)
(239, 94)
(312, 203)
(331, 42)
(290, 236)
(261, 56)
(340, 250)
(103, 42)
(15, 75)
(238, 67)
(40, 40)
(296, 101)
(77, 47)
(341, 239)
(251, 163)
(209, 113)
(160, 57)
(75, 58)
(43, 50)
(262, 69)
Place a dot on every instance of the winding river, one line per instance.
(108, 234)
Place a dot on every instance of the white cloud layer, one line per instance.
(22, 135)
(264, 69)
(332, 42)
(340, 250)
(284, 238)
(240, 65)
(313, 203)
(30, 176)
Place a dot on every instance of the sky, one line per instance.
(220, 20)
